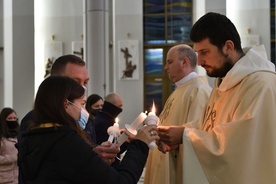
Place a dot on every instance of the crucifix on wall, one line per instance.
(129, 67)
(128, 59)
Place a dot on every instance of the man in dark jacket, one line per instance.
(111, 109)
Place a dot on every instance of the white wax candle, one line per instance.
(134, 125)
(152, 119)
(152, 145)
(152, 114)
(113, 132)
(122, 138)
(110, 138)
(131, 129)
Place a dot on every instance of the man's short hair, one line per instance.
(61, 62)
(218, 29)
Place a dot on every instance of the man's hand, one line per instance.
(171, 135)
(107, 152)
(164, 148)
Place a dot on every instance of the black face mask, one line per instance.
(94, 112)
(12, 124)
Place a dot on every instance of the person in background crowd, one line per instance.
(8, 153)
(112, 107)
(93, 105)
(54, 149)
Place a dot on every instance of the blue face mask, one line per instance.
(84, 115)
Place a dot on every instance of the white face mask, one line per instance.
(84, 115)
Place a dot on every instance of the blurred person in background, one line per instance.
(8, 153)
(94, 104)
(112, 107)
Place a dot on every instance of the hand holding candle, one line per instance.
(113, 131)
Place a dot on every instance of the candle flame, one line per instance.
(116, 120)
(153, 108)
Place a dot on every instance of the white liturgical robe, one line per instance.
(234, 142)
(186, 103)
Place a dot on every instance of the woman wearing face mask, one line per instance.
(54, 149)
(94, 104)
(8, 153)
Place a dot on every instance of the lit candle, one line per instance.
(152, 119)
(113, 131)
(116, 122)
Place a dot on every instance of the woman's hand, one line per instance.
(147, 134)
(107, 152)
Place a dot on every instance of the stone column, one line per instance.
(96, 30)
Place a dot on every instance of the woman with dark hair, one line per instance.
(94, 104)
(54, 149)
(8, 153)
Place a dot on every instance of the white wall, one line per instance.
(218, 6)
(253, 15)
(128, 18)
(63, 19)
(1, 56)
(18, 54)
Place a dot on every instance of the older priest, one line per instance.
(185, 104)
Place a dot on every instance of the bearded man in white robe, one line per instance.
(234, 140)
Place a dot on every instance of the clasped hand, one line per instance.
(170, 138)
